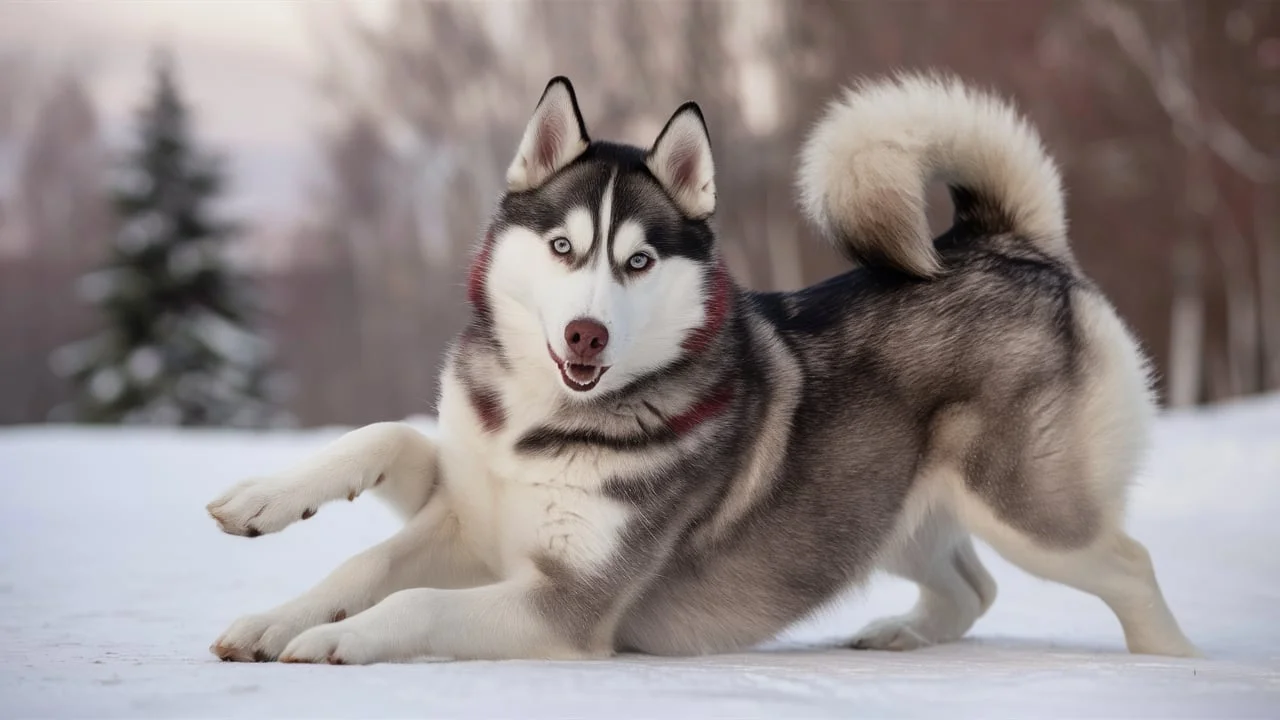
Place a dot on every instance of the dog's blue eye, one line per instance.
(639, 261)
(561, 246)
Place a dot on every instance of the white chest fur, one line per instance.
(513, 507)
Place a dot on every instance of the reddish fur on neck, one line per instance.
(711, 405)
(488, 407)
(716, 307)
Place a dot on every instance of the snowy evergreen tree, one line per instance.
(178, 348)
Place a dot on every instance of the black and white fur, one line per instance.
(635, 454)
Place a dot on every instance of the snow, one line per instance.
(144, 230)
(96, 286)
(231, 342)
(145, 364)
(106, 385)
(113, 582)
(78, 356)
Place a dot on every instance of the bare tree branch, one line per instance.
(1167, 69)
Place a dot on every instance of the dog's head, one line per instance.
(599, 266)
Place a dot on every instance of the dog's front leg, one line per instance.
(531, 616)
(427, 551)
(393, 458)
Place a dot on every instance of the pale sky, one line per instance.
(248, 67)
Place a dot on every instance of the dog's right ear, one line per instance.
(554, 137)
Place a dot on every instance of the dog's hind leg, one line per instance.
(428, 551)
(1113, 566)
(1048, 485)
(955, 589)
(394, 459)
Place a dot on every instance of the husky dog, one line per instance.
(636, 455)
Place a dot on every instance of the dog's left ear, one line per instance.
(554, 137)
(681, 160)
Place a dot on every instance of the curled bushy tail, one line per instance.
(865, 167)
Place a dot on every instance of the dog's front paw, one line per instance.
(338, 644)
(259, 506)
(261, 638)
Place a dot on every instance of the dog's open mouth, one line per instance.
(578, 376)
(581, 377)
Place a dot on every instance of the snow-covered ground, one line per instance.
(113, 582)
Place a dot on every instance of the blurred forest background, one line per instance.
(1165, 117)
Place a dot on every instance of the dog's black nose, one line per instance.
(586, 339)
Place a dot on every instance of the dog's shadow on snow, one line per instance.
(974, 648)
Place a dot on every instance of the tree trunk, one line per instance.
(1186, 335)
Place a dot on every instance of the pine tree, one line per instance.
(178, 348)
